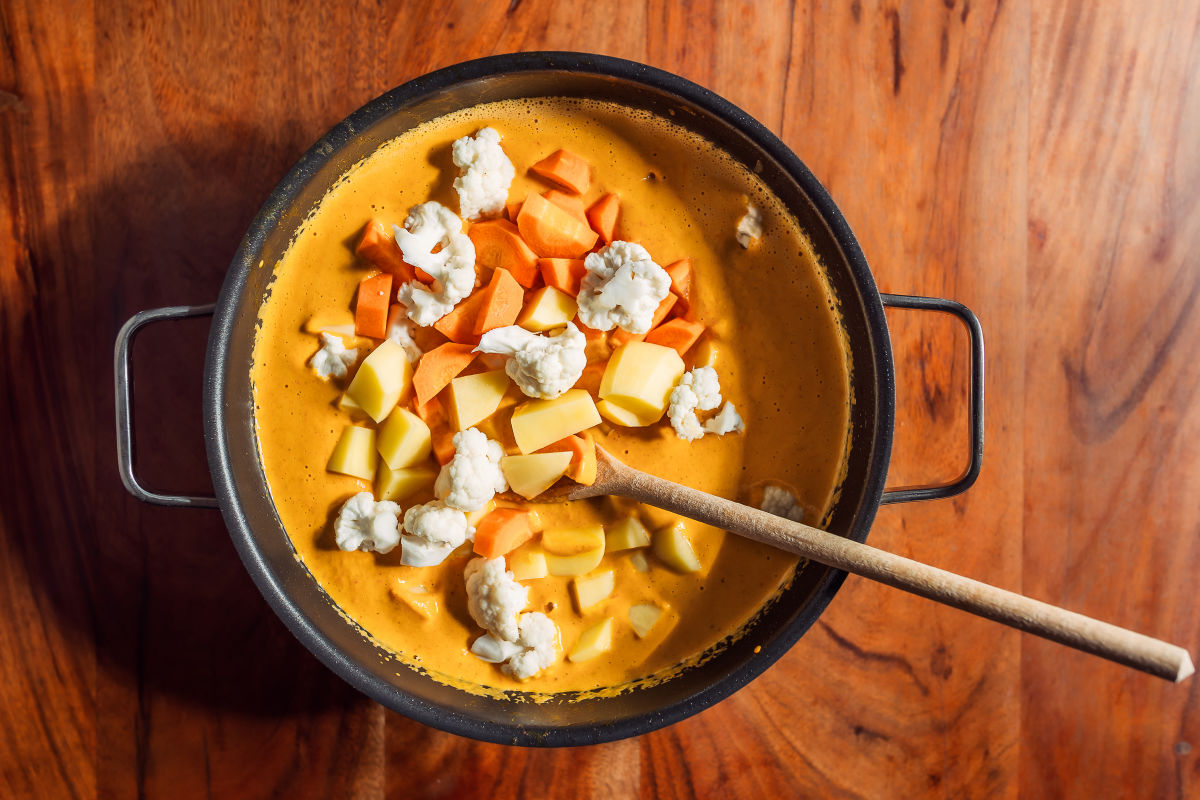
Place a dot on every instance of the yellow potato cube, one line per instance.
(592, 589)
(474, 398)
(346, 403)
(639, 561)
(627, 534)
(401, 484)
(639, 378)
(338, 321)
(673, 548)
(643, 617)
(705, 354)
(533, 474)
(404, 439)
(572, 541)
(417, 597)
(473, 517)
(595, 641)
(619, 415)
(578, 564)
(354, 453)
(528, 564)
(547, 309)
(539, 423)
(382, 379)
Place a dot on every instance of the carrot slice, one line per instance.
(681, 279)
(512, 209)
(498, 244)
(621, 336)
(371, 307)
(583, 466)
(678, 334)
(553, 232)
(602, 216)
(459, 324)
(502, 531)
(431, 412)
(378, 247)
(564, 274)
(443, 443)
(571, 203)
(503, 299)
(565, 169)
(438, 367)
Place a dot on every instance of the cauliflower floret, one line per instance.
(538, 641)
(782, 503)
(494, 598)
(542, 366)
(364, 524)
(485, 174)
(400, 333)
(749, 227)
(334, 358)
(698, 389)
(623, 287)
(473, 476)
(452, 268)
(432, 532)
(727, 420)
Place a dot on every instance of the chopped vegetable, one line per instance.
(553, 232)
(565, 169)
(602, 216)
(371, 307)
(502, 531)
(439, 366)
(498, 244)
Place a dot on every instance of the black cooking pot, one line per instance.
(241, 487)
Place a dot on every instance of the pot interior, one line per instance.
(241, 485)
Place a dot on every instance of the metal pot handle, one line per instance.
(975, 399)
(124, 389)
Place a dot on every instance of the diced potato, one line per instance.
(592, 589)
(382, 379)
(416, 596)
(594, 641)
(639, 561)
(473, 517)
(404, 439)
(643, 617)
(674, 549)
(619, 415)
(639, 378)
(533, 474)
(626, 535)
(705, 354)
(547, 309)
(539, 423)
(338, 321)
(346, 403)
(400, 484)
(572, 541)
(354, 453)
(528, 564)
(474, 398)
(578, 564)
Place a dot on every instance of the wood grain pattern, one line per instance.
(1035, 161)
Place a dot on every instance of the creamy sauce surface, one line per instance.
(781, 361)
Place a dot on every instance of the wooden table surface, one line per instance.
(1039, 162)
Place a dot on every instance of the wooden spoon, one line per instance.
(1032, 616)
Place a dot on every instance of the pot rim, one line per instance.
(218, 444)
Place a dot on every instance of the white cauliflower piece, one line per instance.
(494, 598)
(542, 366)
(622, 288)
(782, 503)
(699, 389)
(538, 642)
(727, 420)
(452, 268)
(749, 227)
(485, 174)
(432, 532)
(472, 477)
(494, 650)
(334, 358)
(399, 332)
(364, 524)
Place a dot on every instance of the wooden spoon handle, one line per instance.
(1023, 613)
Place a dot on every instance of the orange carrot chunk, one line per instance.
(498, 244)
(564, 274)
(371, 307)
(553, 232)
(502, 531)
(681, 277)
(459, 324)
(378, 247)
(565, 169)
(502, 303)
(512, 209)
(602, 216)
(621, 336)
(571, 203)
(678, 334)
(582, 468)
(443, 443)
(438, 367)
